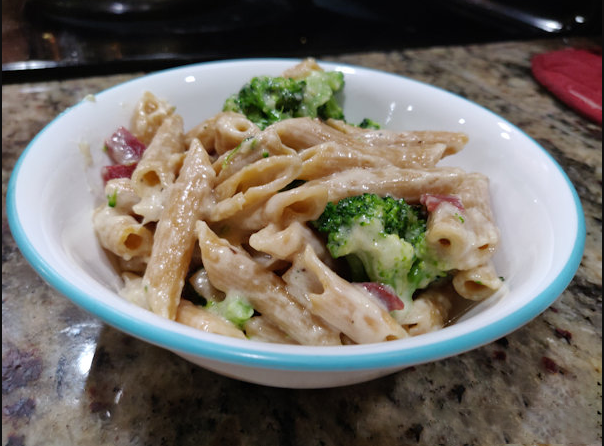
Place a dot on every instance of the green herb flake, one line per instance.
(265, 154)
(502, 278)
(478, 282)
(461, 219)
(105, 148)
(230, 156)
(112, 199)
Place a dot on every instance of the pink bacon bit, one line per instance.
(117, 171)
(124, 148)
(432, 201)
(384, 294)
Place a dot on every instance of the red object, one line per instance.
(432, 201)
(575, 77)
(384, 294)
(124, 148)
(117, 171)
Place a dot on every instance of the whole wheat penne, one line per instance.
(174, 238)
(327, 158)
(231, 268)
(409, 184)
(231, 129)
(260, 328)
(262, 145)
(254, 184)
(340, 303)
(149, 114)
(453, 141)
(120, 192)
(121, 233)
(202, 319)
(235, 211)
(477, 283)
(158, 168)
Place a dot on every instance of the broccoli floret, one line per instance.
(368, 123)
(265, 100)
(383, 240)
(319, 100)
(234, 308)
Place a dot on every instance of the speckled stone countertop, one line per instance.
(69, 379)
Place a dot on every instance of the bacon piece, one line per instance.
(117, 171)
(432, 201)
(124, 148)
(384, 294)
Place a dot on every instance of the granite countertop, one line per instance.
(69, 379)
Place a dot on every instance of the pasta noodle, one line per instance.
(346, 307)
(327, 158)
(259, 328)
(409, 184)
(122, 234)
(231, 268)
(253, 183)
(196, 317)
(149, 114)
(174, 237)
(477, 283)
(158, 168)
(430, 312)
(453, 141)
(214, 227)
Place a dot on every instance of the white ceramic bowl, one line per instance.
(51, 195)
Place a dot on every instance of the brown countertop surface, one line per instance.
(69, 379)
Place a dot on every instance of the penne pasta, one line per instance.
(430, 312)
(201, 319)
(228, 227)
(132, 290)
(260, 328)
(327, 158)
(263, 145)
(302, 203)
(231, 268)
(303, 133)
(285, 244)
(477, 283)
(409, 184)
(231, 129)
(303, 69)
(158, 168)
(174, 238)
(340, 303)
(149, 114)
(122, 195)
(121, 233)
(254, 184)
(453, 141)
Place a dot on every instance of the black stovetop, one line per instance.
(58, 38)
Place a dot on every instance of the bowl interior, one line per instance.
(56, 185)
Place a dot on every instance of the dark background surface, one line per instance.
(46, 39)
